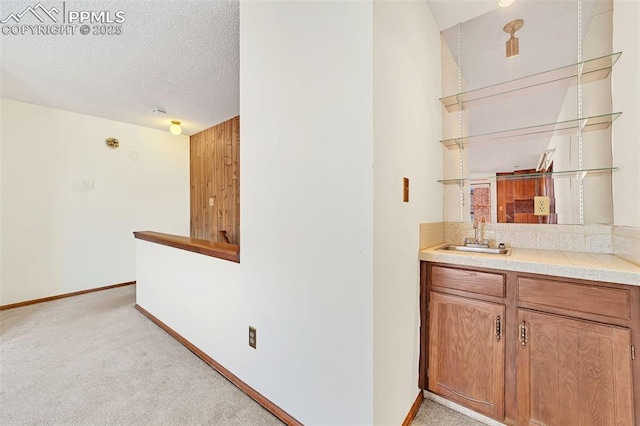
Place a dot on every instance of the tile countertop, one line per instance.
(568, 264)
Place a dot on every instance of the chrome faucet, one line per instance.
(476, 242)
(475, 228)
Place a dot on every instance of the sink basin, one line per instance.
(487, 250)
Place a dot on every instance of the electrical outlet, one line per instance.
(210, 202)
(541, 206)
(252, 337)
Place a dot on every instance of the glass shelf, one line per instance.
(591, 70)
(566, 173)
(597, 122)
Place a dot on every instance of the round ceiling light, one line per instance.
(175, 128)
(505, 3)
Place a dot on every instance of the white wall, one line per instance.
(307, 205)
(596, 100)
(305, 280)
(407, 130)
(626, 98)
(58, 238)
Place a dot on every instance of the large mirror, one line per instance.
(527, 123)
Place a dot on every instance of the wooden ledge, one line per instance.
(224, 251)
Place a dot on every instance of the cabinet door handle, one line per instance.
(523, 334)
(498, 328)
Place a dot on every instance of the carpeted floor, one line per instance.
(431, 413)
(95, 360)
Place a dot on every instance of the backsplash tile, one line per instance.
(564, 241)
(579, 238)
(431, 234)
(599, 243)
(626, 243)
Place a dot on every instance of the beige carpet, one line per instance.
(94, 360)
(431, 413)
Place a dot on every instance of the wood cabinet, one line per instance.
(573, 372)
(529, 349)
(466, 352)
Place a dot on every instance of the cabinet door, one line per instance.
(573, 372)
(466, 352)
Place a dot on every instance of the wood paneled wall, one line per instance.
(215, 175)
(516, 197)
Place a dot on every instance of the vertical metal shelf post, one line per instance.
(460, 127)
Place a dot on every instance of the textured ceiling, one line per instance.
(182, 56)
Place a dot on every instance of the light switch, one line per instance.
(405, 190)
(210, 202)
